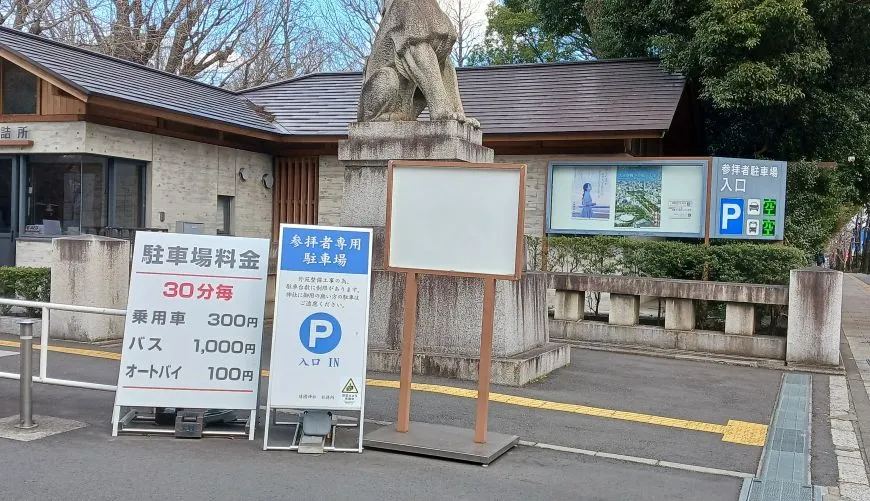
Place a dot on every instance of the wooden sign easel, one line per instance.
(410, 299)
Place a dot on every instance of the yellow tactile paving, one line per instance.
(738, 432)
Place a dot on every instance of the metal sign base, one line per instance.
(306, 444)
(443, 442)
(190, 424)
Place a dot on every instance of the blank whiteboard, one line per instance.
(455, 218)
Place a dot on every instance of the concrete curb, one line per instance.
(764, 363)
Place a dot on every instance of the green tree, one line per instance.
(514, 35)
(784, 79)
(815, 208)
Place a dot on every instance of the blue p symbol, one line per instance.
(320, 333)
(731, 220)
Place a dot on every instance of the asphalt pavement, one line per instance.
(654, 402)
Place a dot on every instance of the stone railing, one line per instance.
(812, 337)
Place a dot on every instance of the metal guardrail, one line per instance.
(44, 341)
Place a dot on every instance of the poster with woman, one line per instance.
(591, 194)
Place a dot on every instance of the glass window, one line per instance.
(19, 90)
(224, 215)
(126, 195)
(84, 194)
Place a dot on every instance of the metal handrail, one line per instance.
(44, 341)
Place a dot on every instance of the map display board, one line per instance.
(632, 197)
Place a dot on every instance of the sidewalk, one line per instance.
(851, 424)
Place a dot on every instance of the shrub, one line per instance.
(31, 284)
(725, 262)
(754, 263)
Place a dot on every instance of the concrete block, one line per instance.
(679, 314)
(449, 309)
(33, 252)
(513, 371)
(814, 316)
(570, 305)
(624, 309)
(770, 347)
(601, 332)
(89, 271)
(418, 140)
(740, 318)
(450, 314)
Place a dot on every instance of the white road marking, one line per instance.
(4, 353)
(639, 460)
(585, 452)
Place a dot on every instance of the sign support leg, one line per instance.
(266, 427)
(252, 424)
(407, 359)
(116, 416)
(485, 368)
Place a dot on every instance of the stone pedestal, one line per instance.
(570, 305)
(679, 314)
(449, 310)
(815, 299)
(624, 309)
(740, 318)
(89, 271)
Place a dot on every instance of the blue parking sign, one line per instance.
(320, 333)
(731, 212)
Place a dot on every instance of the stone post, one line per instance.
(570, 305)
(450, 310)
(89, 271)
(624, 309)
(679, 314)
(740, 318)
(815, 299)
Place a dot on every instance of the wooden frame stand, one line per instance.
(478, 446)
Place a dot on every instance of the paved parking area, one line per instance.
(647, 409)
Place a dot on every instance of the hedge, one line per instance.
(32, 284)
(729, 262)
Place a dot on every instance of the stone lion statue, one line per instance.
(410, 66)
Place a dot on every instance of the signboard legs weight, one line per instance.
(437, 440)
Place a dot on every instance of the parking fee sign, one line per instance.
(321, 318)
(194, 326)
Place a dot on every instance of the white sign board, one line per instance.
(457, 219)
(320, 339)
(194, 327)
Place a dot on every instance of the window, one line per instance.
(127, 194)
(84, 194)
(18, 90)
(224, 215)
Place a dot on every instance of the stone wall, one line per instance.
(331, 191)
(332, 186)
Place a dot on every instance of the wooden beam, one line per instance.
(126, 107)
(44, 74)
(16, 143)
(574, 136)
(41, 118)
(158, 131)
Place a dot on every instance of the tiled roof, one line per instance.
(582, 97)
(101, 75)
(596, 96)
